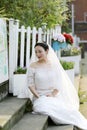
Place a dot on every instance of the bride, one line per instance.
(53, 93)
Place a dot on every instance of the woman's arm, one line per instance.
(32, 89)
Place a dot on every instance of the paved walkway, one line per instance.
(83, 85)
(83, 76)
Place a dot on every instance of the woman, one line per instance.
(54, 94)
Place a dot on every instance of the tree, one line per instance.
(36, 12)
(2, 12)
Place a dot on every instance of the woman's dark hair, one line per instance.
(44, 45)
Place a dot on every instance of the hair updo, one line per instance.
(44, 45)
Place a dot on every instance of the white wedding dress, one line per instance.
(45, 79)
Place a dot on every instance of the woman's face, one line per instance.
(40, 53)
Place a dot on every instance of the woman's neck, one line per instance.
(44, 61)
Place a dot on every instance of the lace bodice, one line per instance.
(43, 79)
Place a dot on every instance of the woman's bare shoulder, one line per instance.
(33, 65)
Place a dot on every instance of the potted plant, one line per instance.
(58, 42)
(20, 70)
(68, 38)
(75, 51)
(19, 80)
(68, 66)
(72, 54)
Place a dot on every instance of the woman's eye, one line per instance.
(39, 51)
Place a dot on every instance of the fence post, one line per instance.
(11, 53)
(16, 42)
(50, 36)
(39, 34)
(34, 31)
(57, 29)
(47, 37)
(22, 46)
(28, 46)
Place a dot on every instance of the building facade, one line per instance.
(80, 18)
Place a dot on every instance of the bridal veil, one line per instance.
(67, 89)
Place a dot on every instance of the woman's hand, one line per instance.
(53, 94)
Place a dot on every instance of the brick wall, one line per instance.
(80, 8)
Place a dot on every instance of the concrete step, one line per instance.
(32, 122)
(62, 127)
(11, 110)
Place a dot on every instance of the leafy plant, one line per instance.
(67, 64)
(75, 51)
(2, 12)
(20, 70)
(82, 96)
(71, 52)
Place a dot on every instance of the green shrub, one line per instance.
(67, 65)
(20, 70)
(82, 96)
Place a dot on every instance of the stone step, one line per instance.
(11, 110)
(62, 127)
(32, 122)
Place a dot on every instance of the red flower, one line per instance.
(69, 38)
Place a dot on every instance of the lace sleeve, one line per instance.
(31, 77)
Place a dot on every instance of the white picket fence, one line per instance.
(24, 39)
(20, 39)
